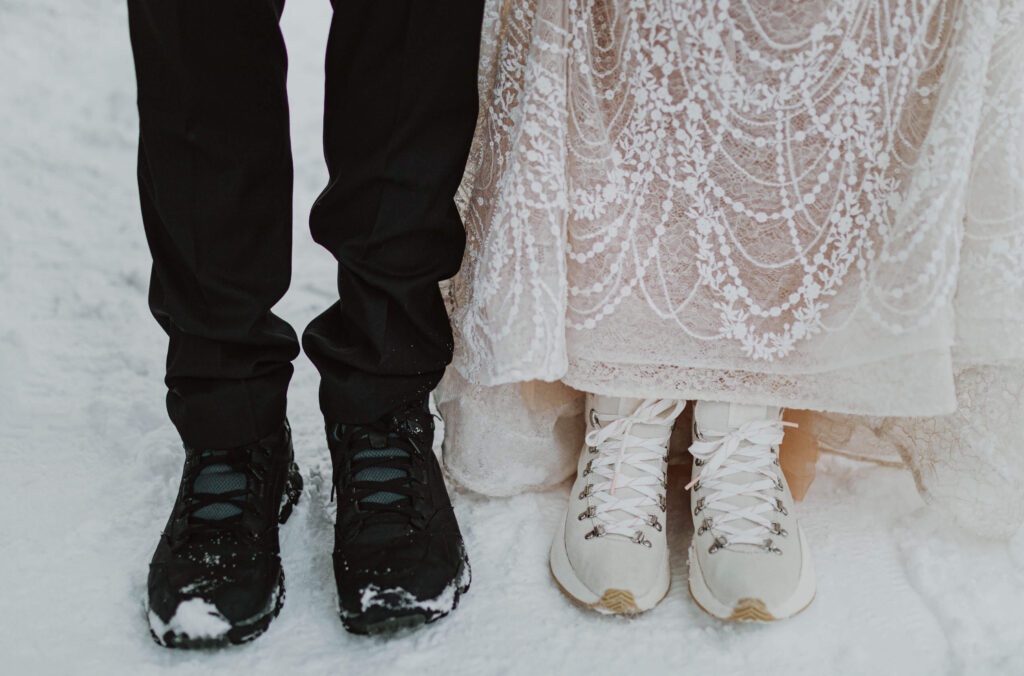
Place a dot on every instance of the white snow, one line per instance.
(397, 597)
(89, 464)
(194, 618)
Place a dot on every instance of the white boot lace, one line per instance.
(746, 450)
(614, 446)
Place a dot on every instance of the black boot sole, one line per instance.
(385, 621)
(250, 628)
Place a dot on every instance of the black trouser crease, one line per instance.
(215, 184)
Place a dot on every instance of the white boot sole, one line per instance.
(754, 609)
(611, 601)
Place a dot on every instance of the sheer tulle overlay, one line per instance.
(816, 204)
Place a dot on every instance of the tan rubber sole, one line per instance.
(751, 610)
(612, 602)
(618, 601)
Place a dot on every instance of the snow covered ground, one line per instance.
(89, 464)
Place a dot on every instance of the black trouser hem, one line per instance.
(218, 414)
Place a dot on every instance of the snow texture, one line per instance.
(89, 464)
(194, 618)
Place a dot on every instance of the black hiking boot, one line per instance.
(399, 559)
(216, 576)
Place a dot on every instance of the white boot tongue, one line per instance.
(615, 405)
(620, 407)
(721, 418)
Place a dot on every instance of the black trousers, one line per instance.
(215, 182)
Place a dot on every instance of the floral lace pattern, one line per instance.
(818, 204)
(758, 187)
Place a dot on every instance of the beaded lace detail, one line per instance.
(816, 204)
(766, 187)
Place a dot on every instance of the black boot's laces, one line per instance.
(409, 488)
(245, 500)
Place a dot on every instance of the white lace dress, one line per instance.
(818, 205)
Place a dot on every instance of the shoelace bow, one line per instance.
(410, 487)
(246, 500)
(615, 446)
(747, 449)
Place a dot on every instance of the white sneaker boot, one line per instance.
(749, 558)
(610, 551)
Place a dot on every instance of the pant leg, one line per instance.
(401, 105)
(215, 184)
